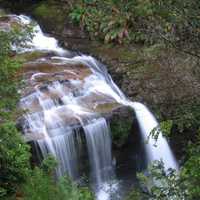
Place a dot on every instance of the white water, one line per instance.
(98, 140)
(108, 190)
(52, 124)
(57, 137)
(39, 40)
(155, 149)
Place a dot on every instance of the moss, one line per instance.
(51, 14)
(107, 107)
(43, 10)
(31, 56)
(120, 129)
(122, 53)
(2, 13)
(145, 60)
(131, 59)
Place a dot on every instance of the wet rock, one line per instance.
(41, 73)
(121, 124)
(34, 55)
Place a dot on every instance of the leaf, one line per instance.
(107, 38)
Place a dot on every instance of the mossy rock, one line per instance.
(2, 13)
(106, 107)
(121, 124)
(51, 15)
(120, 129)
(33, 55)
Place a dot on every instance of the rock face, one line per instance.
(121, 124)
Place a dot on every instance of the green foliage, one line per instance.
(17, 37)
(14, 153)
(151, 21)
(49, 164)
(187, 116)
(41, 186)
(77, 14)
(120, 130)
(160, 184)
(14, 158)
(190, 172)
(71, 191)
(102, 19)
(135, 194)
(164, 127)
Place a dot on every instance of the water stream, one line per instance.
(99, 148)
(63, 100)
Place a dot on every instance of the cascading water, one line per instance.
(64, 94)
(156, 149)
(57, 137)
(41, 41)
(99, 147)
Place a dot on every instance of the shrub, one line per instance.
(158, 184)
(120, 130)
(190, 173)
(14, 158)
(14, 153)
(174, 21)
(41, 186)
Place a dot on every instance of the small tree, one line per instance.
(14, 153)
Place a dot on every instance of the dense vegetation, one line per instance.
(146, 21)
(14, 153)
(161, 185)
(41, 185)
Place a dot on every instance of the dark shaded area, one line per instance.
(130, 160)
(18, 6)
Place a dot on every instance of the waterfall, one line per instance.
(99, 147)
(63, 98)
(155, 149)
(39, 40)
(58, 139)
(98, 140)
(64, 150)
